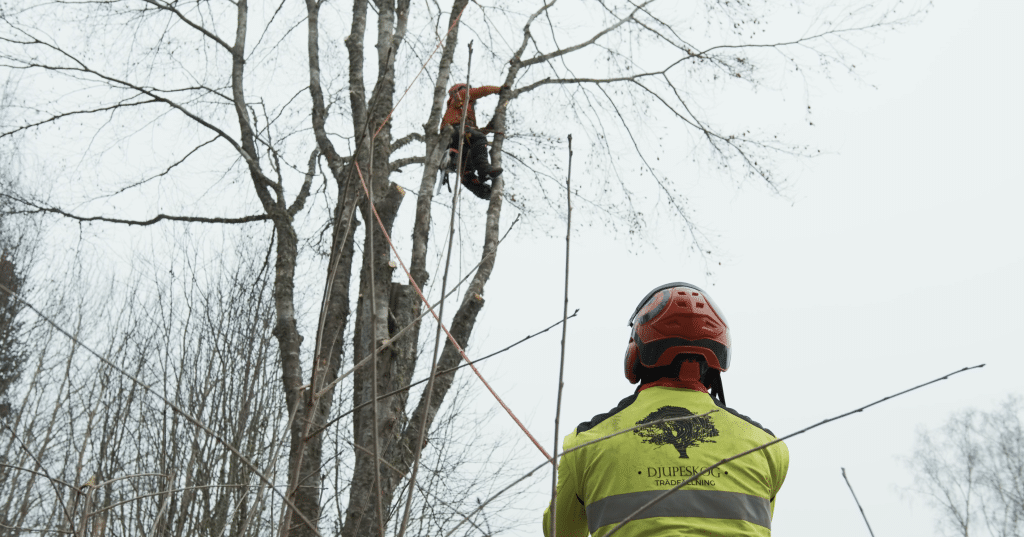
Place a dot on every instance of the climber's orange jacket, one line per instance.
(456, 98)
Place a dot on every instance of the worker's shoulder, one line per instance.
(656, 398)
(743, 417)
(596, 420)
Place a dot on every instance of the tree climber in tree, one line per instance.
(678, 348)
(476, 141)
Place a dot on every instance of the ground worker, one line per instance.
(475, 145)
(678, 348)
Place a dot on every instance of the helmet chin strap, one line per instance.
(710, 378)
(693, 374)
(693, 370)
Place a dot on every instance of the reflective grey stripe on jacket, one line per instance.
(681, 503)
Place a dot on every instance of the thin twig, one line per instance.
(411, 324)
(424, 491)
(40, 474)
(448, 333)
(173, 218)
(581, 446)
(54, 482)
(115, 479)
(157, 493)
(444, 287)
(271, 465)
(565, 313)
(640, 426)
(34, 530)
(772, 443)
(858, 502)
(444, 372)
(373, 343)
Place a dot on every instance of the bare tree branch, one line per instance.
(82, 67)
(398, 164)
(404, 140)
(300, 200)
(561, 52)
(704, 471)
(169, 7)
(151, 221)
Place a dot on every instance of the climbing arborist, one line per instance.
(678, 348)
(476, 141)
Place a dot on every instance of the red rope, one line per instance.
(443, 327)
(451, 338)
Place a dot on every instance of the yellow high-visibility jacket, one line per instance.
(603, 483)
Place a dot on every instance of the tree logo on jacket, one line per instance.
(681, 433)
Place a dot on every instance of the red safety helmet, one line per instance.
(454, 90)
(673, 319)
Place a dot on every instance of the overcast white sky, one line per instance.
(893, 259)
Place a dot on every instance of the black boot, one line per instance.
(478, 155)
(478, 188)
